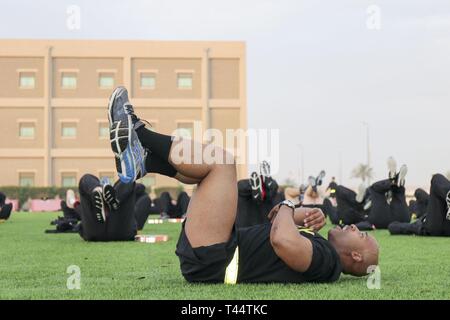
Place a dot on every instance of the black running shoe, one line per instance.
(319, 178)
(99, 206)
(255, 183)
(264, 169)
(301, 192)
(447, 199)
(109, 195)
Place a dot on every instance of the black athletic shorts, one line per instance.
(205, 264)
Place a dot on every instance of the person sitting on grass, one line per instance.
(5, 208)
(436, 220)
(71, 211)
(210, 248)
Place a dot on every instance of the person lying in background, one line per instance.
(376, 207)
(5, 208)
(436, 220)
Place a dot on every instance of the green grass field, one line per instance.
(33, 265)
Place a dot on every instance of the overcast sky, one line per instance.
(315, 69)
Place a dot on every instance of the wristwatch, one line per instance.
(287, 203)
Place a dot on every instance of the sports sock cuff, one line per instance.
(154, 164)
(157, 143)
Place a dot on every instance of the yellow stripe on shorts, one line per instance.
(306, 230)
(231, 273)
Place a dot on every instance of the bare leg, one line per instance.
(186, 180)
(212, 209)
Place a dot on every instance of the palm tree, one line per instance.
(362, 171)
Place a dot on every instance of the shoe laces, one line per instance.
(129, 108)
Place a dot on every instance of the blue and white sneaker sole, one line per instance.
(112, 98)
(128, 149)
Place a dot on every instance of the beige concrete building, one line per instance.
(54, 95)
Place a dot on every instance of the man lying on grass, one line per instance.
(210, 248)
(435, 221)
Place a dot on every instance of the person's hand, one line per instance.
(273, 213)
(315, 219)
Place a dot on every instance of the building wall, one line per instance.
(87, 71)
(12, 167)
(11, 67)
(224, 78)
(216, 99)
(166, 71)
(13, 117)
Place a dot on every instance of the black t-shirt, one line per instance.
(332, 186)
(258, 261)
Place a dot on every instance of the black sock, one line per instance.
(158, 144)
(154, 164)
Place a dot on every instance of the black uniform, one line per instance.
(381, 213)
(144, 206)
(332, 188)
(258, 262)
(419, 207)
(349, 211)
(120, 224)
(434, 222)
(251, 212)
(71, 213)
(164, 203)
(5, 209)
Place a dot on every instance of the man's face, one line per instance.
(357, 250)
(350, 238)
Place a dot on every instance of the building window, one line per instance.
(148, 181)
(106, 80)
(148, 81)
(184, 80)
(107, 177)
(69, 80)
(26, 130)
(68, 180)
(26, 179)
(103, 130)
(69, 130)
(185, 129)
(27, 80)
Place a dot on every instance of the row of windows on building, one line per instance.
(69, 80)
(68, 129)
(70, 179)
